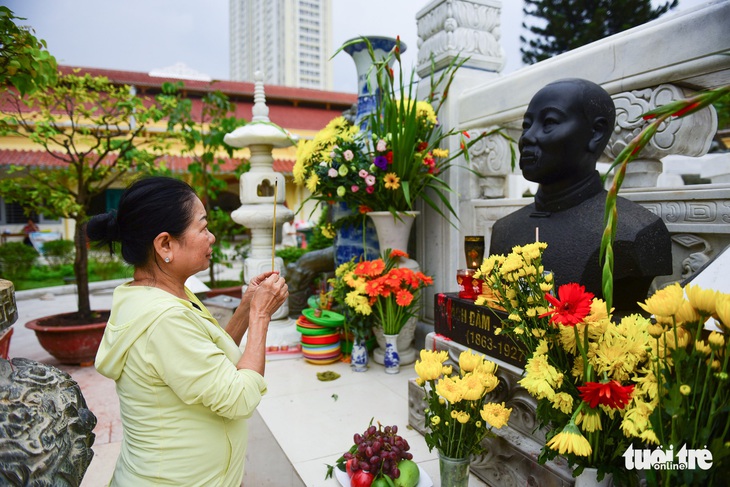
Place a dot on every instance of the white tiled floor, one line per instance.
(314, 421)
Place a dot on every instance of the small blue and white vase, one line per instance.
(359, 356)
(391, 359)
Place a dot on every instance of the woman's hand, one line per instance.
(270, 293)
(252, 286)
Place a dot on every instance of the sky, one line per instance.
(143, 35)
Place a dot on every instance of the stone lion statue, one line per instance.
(45, 427)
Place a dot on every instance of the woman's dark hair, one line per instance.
(148, 207)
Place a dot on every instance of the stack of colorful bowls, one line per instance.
(320, 336)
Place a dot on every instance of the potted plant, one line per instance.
(98, 132)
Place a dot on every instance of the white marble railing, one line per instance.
(644, 67)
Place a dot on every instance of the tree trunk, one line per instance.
(81, 270)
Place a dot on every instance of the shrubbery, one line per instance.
(16, 259)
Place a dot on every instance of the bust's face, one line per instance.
(555, 135)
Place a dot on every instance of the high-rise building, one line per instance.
(290, 41)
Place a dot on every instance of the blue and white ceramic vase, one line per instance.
(359, 356)
(349, 239)
(367, 84)
(391, 359)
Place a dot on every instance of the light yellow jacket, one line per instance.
(183, 402)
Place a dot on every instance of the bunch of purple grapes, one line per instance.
(379, 450)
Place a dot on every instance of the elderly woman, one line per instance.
(185, 389)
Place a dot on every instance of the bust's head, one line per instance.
(565, 129)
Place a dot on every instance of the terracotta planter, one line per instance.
(69, 342)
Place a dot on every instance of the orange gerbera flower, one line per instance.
(427, 280)
(370, 268)
(573, 305)
(397, 253)
(376, 288)
(403, 298)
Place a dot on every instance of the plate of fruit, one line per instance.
(380, 458)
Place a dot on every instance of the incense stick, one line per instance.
(273, 233)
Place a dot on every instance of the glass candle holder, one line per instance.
(465, 280)
(474, 250)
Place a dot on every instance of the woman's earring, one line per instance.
(167, 260)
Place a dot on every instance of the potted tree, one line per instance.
(97, 131)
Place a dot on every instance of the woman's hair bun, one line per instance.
(104, 228)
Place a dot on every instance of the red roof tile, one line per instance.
(44, 160)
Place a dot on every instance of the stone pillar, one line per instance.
(688, 136)
(448, 29)
(262, 194)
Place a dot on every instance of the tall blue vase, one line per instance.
(367, 84)
(349, 238)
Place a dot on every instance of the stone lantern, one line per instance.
(259, 208)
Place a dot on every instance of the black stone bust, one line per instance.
(565, 129)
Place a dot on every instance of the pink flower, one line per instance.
(355, 188)
(363, 173)
(332, 172)
(348, 155)
(370, 189)
(370, 181)
(381, 146)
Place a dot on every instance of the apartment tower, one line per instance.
(290, 41)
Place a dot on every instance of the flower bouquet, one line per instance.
(690, 403)
(379, 288)
(457, 417)
(398, 158)
(590, 376)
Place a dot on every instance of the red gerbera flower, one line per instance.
(611, 394)
(574, 304)
(389, 156)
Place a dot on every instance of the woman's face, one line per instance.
(195, 246)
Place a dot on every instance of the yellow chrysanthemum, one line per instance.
(664, 302)
(702, 347)
(463, 417)
(425, 111)
(428, 370)
(451, 389)
(435, 420)
(469, 361)
(685, 389)
(392, 181)
(312, 182)
(570, 440)
(358, 302)
(686, 314)
(589, 420)
(495, 414)
(636, 419)
(540, 378)
(486, 367)
(722, 309)
(440, 356)
(716, 340)
(447, 370)
(473, 387)
(563, 401)
(703, 300)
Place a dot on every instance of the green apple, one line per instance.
(409, 474)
